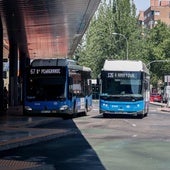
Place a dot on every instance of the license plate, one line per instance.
(45, 111)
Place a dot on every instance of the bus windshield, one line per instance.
(46, 89)
(122, 83)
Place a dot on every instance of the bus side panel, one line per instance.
(80, 104)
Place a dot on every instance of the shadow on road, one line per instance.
(71, 152)
(117, 116)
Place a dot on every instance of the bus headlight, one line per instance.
(128, 106)
(28, 108)
(138, 105)
(64, 107)
(105, 105)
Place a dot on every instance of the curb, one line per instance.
(34, 139)
(164, 107)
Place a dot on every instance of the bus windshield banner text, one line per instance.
(34, 71)
(122, 75)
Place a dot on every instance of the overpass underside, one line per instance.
(31, 29)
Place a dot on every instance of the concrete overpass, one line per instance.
(32, 29)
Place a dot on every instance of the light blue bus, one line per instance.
(124, 88)
(57, 86)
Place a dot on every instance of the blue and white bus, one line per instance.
(124, 88)
(57, 86)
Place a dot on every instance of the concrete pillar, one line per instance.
(13, 70)
(1, 67)
(168, 101)
(24, 63)
(12, 20)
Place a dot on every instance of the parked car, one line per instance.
(155, 97)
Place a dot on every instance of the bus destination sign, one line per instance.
(122, 75)
(34, 71)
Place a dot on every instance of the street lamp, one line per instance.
(156, 61)
(115, 33)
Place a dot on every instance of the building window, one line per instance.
(152, 13)
(151, 23)
(145, 17)
(157, 12)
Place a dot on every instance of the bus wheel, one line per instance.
(85, 112)
(146, 114)
(105, 115)
(140, 116)
(147, 111)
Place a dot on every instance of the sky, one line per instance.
(142, 5)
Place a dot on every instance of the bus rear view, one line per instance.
(124, 88)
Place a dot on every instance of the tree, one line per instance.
(159, 43)
(100, 44)
(119, 16)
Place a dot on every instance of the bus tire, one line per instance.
(147, 111)
(105, 115)
(141, 115)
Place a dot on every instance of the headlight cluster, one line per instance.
(28, 108)
(105, 105)
(64, 107)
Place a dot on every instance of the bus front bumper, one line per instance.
(62, 110)
(134, 113)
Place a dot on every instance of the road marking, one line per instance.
(132, 124)
(153, 110)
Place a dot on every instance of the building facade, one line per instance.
(158, 10)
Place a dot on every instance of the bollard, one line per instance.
(168, 101)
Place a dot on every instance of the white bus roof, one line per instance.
(124, 65)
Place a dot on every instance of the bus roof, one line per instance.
(52, 62)
(59, 62)
(124, 65)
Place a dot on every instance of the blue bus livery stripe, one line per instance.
(112, 106)
(47, 105)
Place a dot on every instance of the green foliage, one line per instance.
(159, 43)
(119, 16)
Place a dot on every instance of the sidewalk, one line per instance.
(18, 130)
(165, 109)
(163, 106)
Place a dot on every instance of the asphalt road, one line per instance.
(117, 143)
